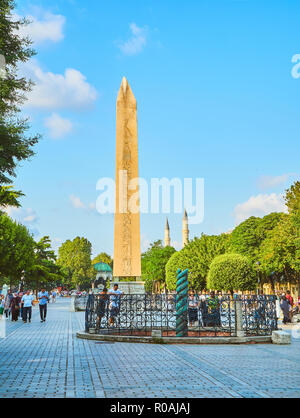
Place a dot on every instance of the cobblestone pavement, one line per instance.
(47, 360)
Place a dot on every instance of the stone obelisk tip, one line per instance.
(125, 92)
(124, 85)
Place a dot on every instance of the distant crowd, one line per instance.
(18, 305)
(204, 307)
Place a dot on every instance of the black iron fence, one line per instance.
(259, 314)
(152, 314)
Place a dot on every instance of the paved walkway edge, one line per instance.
(176, 340)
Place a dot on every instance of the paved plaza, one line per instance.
(41, 360)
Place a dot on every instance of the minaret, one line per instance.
(185, 229)
(167, 234)
(127, 251)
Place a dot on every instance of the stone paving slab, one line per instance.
(47, 360)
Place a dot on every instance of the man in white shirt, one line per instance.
(27, 300)
(114, 305)
(43, 298)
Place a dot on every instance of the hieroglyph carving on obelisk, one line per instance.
(127, 252)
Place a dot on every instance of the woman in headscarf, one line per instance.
(15, 307)
(285, 307)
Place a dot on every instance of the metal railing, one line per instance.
(140, 315)
(259, 314)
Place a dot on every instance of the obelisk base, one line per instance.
(129, 285)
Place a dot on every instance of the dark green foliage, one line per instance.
(230, 272)
(74, 257)
(16, 250)
(196, 257)
(247, 237)
(15, 145)
(153, 265)
(44, 270)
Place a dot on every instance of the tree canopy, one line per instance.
(153, 265)
(280, 252)
(229, 272)
(104, 258)
(15, 145)
(74, 257)
(16, 249)
(247, 237)
(196, 257)
(43, 269)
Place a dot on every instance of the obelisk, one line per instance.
(127, 251)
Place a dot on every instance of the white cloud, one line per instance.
(76, 202)
(25, 216)
(48, 28)
(259, 205)
(58, 91)
(58, 126)
(268, 182)
(136, 43)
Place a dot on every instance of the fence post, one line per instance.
(182, 304)
(239, 318)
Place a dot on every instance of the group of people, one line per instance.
(109, 301)
(204, 309)
(286, 303)
(19, 305)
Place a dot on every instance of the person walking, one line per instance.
(15, 307)
(114, 305)
(7, 302)
(21, 305)
(27, 300)
(43, 298)
(53, 296)
(285, 307)
(101, 306)
(1, 305)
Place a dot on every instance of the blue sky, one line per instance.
(216, 99)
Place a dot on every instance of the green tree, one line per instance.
(247, 237)
(280, 252)
(43, 270)
(292, 200)
(229, 272)
(16, 250)
(104, 258)
(75, 259)
(154, 262)
(196, 257)
(9, 196)
(15, 145)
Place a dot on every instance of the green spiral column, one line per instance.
(182, 304)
